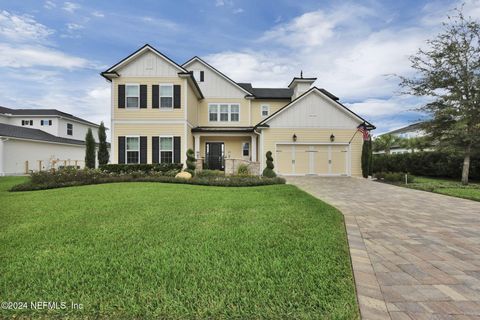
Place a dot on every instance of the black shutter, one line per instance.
(155, 93)
(176, 96)
(155, 149)
(143, 149)
(121, 149)
(121, 96)
(143, 96)
(202, 76)
(176, 149)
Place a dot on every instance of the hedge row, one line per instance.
(60, 179)
(430, 164)
(146, 168)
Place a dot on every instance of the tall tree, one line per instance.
(385, 142)
(89, 150)
(448, 72)
(102, 155)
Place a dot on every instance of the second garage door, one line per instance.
(302, 159)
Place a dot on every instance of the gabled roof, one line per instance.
(263, 123)
(196, 58)
(43, 112)
(268, 93)
(111, 72)
(412, 127)
(7, 130)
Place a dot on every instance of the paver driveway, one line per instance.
(415, 255)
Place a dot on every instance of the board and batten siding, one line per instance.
(148, 64)
(274, 106)
(274, 136)
(150, 130)
(244, 112)
(148, 112)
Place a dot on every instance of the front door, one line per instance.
(214, 155)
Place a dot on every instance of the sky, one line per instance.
(51, 52)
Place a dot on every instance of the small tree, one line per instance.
(268, 171)
(103, 155)
(89, 150)
(448, 72)
(367, 158)
(191, 162)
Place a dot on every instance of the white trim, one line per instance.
(126, 96)
(43, 141)
(112, 121)
(184, 144)
(160, 97)
(140, 52)
(51, 116)
(216, 71)
(140, 121)
(126, 148)
(222, 134)
(229, 106)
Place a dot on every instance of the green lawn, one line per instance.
(152, 250)
(448, 187)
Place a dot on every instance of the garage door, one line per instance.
(317, 159)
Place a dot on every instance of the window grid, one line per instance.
(166, 150)
(166, 96)
(69, 129)
(133, 149)
(224, 112)
(132, 93)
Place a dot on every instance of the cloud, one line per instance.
(161, 23)
(70, 6)
(74, 26)
(22, 28)
(36, 55)
(49, 5)
(98, 14)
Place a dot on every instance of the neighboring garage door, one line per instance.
(319, 159)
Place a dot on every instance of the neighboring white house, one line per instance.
(39, 139)
(411, 131)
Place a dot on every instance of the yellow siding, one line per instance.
(233, 145)
(192, 108)
(150, 131)
(275, 105)
(244, 112)
(272, 136)
(148, 113)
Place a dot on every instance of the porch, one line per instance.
(225, 148)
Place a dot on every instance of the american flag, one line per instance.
(363, 129)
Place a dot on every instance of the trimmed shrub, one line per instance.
(67, 178)
(191, 162)
(243, 170)
(210, 173)
(367, 158)
(430, 164)
(268, 171)
(89, 150)
(102, 154)
(146, 168)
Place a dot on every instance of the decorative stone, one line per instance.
(183, 175)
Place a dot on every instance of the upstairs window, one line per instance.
(224, 112)
(166, 96)
(132, 93)
(166, 150)
(45, 122)
(265, 110)
(213, 112)
(234, 112)
(133, 150)
(199, 75)
(69, 129)
(27, 122)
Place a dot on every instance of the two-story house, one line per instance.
(40, 139)
(159, 109)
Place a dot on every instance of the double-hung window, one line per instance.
(166, 150)
(45, 122)
(246, 149)
(133, 149)
(27, 122)
(69, 129)
(224, 112)
(166, 96)
(234, 112)
(213, 112)
(132, 94)
(265, 110)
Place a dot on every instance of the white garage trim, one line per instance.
(348, 162)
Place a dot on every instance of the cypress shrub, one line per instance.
(367, 158)
(89, 150)
(103, 155)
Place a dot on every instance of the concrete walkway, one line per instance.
(415, 255)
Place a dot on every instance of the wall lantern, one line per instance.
(294, 137)
(332, 138)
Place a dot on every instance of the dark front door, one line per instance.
(214, 155)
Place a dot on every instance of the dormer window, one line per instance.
(132, 94)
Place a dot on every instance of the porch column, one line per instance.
(197, 146)
(254, 148)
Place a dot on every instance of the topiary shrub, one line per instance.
(191, 162)
(268, 171)
(243, 170)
